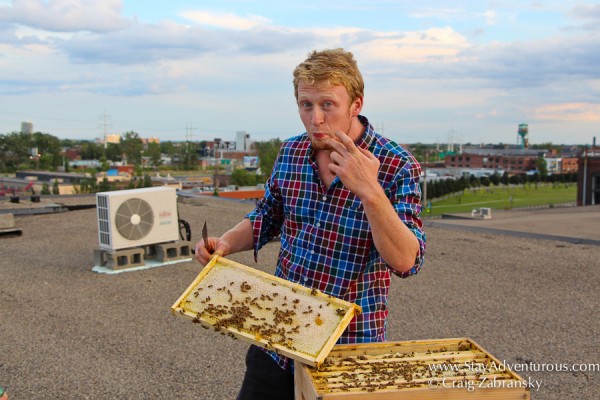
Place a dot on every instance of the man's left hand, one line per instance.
(357, 168)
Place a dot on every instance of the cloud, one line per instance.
(577, 112)
(490, 17)
(589, 14)
(66, 15)
(396, 52)
(523, 64)
(225, 20)
(586, 11)
(166, 41)
(170, 57)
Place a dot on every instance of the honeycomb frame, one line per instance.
(403, 371)
(262, 309)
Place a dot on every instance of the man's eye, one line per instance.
(327, 104)
(305, 104)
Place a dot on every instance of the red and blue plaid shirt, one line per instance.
(326, 241)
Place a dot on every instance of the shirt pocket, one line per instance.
(354, 224)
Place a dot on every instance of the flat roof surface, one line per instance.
(70, 333)
(564, 222)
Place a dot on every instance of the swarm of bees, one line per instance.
(279, 316)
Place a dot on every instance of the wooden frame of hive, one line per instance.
(398, 370)
(295, 321)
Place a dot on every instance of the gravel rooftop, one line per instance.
(67, 332)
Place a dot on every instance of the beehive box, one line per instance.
(433, 369)
(265, 310)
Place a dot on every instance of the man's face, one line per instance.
(325, 109)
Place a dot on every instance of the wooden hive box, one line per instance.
(265, 310)
(416, 370)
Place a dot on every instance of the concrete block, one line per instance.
(125, 258)
(173, 251)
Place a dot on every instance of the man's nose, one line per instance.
(317, 116)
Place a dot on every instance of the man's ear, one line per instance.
(356, 107)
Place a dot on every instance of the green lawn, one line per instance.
(504, 198)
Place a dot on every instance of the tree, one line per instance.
(542, 166)
(153, 152)
(188, 156)
(147, 182)
(504, 178)
(131, 146)
(90, 151)
(55, 188)
(104, 185)
(104, 164)
(241, 177)
(45, 189)
(113, 152)
(267, 154)
(495, 179)
(516, 179)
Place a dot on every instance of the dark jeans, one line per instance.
(265, 379)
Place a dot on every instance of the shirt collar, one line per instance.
(368, 136)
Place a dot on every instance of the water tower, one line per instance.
(522, 136)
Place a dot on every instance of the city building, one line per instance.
(588, 183)
(512, 160)
(27, 127)
(561, 165)
(242, 141)
(146, 141)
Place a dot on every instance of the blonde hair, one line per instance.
(332, 66)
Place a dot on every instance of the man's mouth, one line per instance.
(320, 136)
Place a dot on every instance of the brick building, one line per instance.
(588, 182)
(513, 161)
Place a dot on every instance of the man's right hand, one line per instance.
(215, 244)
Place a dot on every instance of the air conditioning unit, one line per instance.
(137, 217)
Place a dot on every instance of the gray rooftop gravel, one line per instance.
(69, 333)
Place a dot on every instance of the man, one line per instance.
(346, 202)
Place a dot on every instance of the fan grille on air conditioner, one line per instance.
(134, 219)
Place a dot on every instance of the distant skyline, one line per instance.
(186, 69)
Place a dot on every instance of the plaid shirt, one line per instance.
(326, 241)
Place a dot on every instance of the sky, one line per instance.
(469, 72)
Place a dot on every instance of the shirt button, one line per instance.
(324, 198)
(305, 278)
(318, 225)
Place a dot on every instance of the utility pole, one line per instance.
(189, 137)
(105, 126)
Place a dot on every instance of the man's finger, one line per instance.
(346, 141)
(366, 152)
(338, 147)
